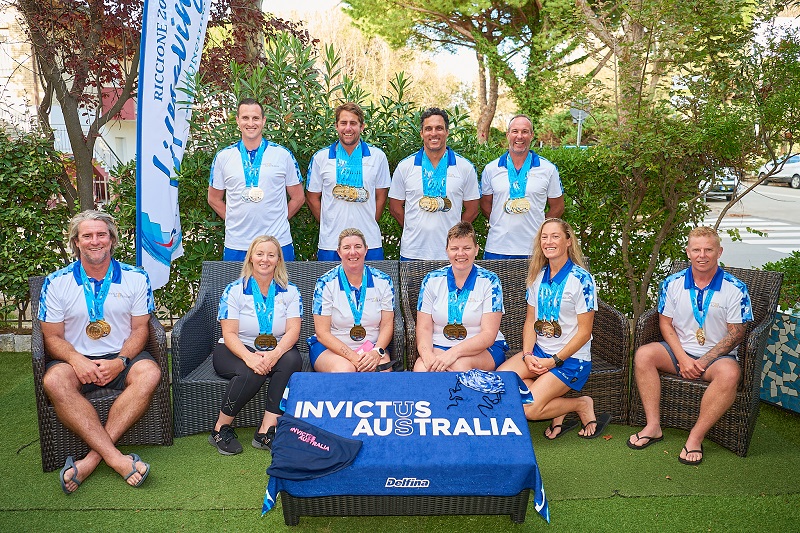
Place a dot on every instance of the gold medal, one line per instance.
(448, 205)
(106, 327)
(338, 192)
(94, 330)
(547, 328)
(425, 204)
(358, 333)
(701, 336)
(352, 194)
(451, 331)
(537, 327)
(523, 205)
(462, 332)
(556, 329)
(266, 342)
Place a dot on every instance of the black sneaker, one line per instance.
(263, 441)
(225, 440)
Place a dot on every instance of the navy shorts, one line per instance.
(573, 373)
(497, 351)
(117, 383)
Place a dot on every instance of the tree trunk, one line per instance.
(243, 13)
(487, 98)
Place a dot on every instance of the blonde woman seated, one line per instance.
(353, 312)
(556, 336)
(259, 315)
(459, 311)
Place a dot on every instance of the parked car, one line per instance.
(724, 185)
(790, 173)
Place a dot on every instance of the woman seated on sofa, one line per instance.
(459, 311)
(259, 315)
(557, 334)
(353, 312)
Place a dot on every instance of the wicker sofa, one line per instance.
(608, 384)
(197, 390)
(58, 442)
(680, 398)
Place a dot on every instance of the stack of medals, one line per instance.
(350, 194)
(265, 312)
(549, 303)
(252, 192)
(349, 176)
(518, 183)
(434, 186)
(700, 314)
(97, 327)
(433, 204)
(456, 302)
(357, 332)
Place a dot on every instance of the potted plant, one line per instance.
(779, 378)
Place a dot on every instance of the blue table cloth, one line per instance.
(422, 433)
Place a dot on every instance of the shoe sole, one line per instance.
(259, 446)
(220, 450)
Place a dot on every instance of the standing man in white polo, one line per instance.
(348, 183)
(516, 187)
(432, 190)
(249, 182)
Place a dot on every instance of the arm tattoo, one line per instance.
(728, 342)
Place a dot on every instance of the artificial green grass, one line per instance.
(592, 485)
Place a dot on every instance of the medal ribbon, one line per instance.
(94, 302)
(434, 180)
(482, 381)
(518, 181)
(349, 168)
(457, 298)
(356, 301)
(700, 313)
(252, 167)
(265, 308)
(550, 294)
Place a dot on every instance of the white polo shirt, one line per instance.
(424, 233)
(580, 296)
(730, 304)
(245, 221)
(62, 300)
(485, 297)
(513, 234)
(330, 299)
(236, 303)
(336, 214)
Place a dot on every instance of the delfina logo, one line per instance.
(407, 483)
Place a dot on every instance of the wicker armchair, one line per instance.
(196, 389)
(57, 442)
(608, 383)
(680, 398)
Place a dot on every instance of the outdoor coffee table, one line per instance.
(431, 446)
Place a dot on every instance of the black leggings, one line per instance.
(244, 383)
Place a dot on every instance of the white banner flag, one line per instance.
(173, 32)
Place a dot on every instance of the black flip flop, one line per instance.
(601, 423)
(650, 440)
(692, 463)
(564, 428)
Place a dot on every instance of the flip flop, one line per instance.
(137, 459)
(69, 463)
(650, 440)
(692, 463)
(564, 428)
(601, 423)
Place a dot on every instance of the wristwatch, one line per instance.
(125, 361)
(558, 361)
(381, 351)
